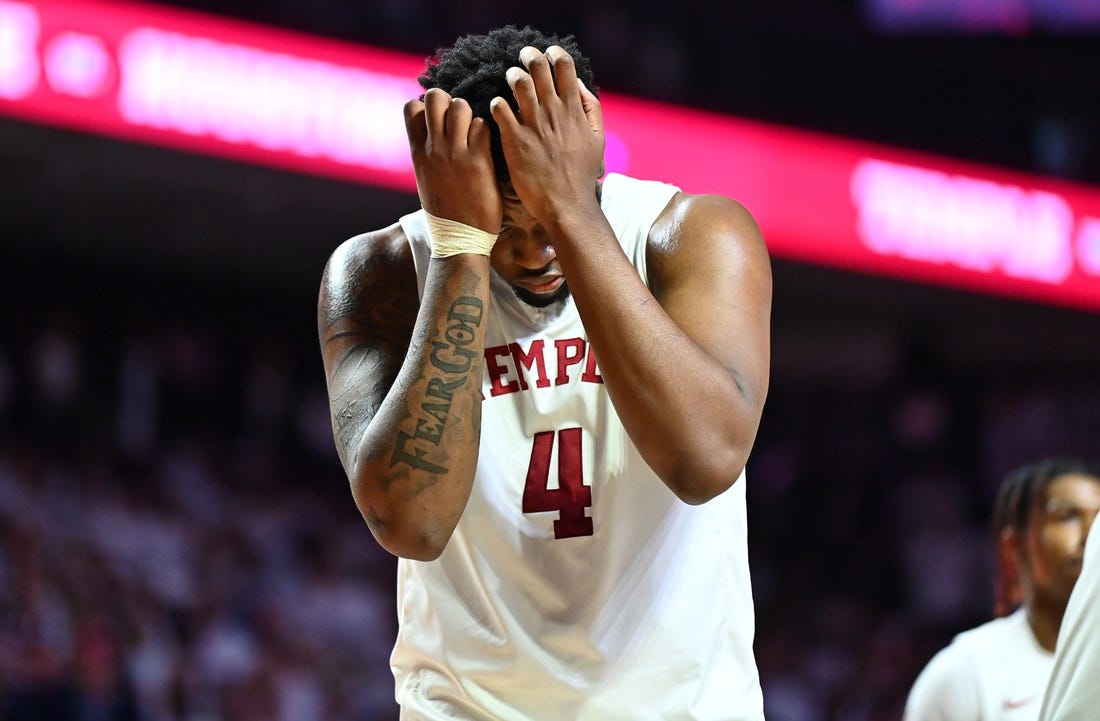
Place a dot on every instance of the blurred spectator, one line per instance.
(205, 565)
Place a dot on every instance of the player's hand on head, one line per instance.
(453, 164)
(554, 143)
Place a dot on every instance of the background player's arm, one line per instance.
(405, 396)
(1073, 691)
(688, 374)
(404, 389)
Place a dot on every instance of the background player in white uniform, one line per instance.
(571, 533)
(1073, 693)
(999, 670)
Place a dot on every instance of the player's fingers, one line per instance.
(415, 125)
(538, 66)
(479, 136)
(523, 88)
(459, 115)
(504, 117)
(436, 104)
(565, 71)
(591, 106)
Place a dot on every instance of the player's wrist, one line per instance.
(573, 220)
(450, 237)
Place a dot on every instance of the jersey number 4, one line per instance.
(571, 496)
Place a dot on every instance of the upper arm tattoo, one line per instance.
(366, 311)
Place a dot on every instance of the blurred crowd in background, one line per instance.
(177, 541)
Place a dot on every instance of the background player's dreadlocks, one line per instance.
(474, 67)
(1021, 493)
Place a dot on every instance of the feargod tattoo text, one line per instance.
(452, 356)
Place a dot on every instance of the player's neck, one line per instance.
(1045, 618)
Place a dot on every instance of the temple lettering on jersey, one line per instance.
(511, 368)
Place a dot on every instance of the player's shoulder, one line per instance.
(948, 687)
(707, 217)
(707, 231)
(382, 249)
(975, 646)
(992, 636)
(380, 260)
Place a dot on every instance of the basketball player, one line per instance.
(999, 670)
(544, 390)
(1073, 693)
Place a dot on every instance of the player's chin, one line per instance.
(542, 300)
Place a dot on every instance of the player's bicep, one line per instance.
(713, 277)
(366, 310)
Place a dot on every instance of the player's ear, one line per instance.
(1010, 594)
(1008, 541)
(1010, 547)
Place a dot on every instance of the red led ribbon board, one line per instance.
(209, 85)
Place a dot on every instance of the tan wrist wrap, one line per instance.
(449, 237)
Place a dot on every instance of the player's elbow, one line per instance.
(699, 482)
(415, 547)
(403, 537)
(717, 456)
(402, 530)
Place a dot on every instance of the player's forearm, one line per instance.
(414, 467)
(691, 420)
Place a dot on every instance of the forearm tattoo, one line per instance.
(453, 354)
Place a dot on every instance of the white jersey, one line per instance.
(995, 672)
(576, 585)
(1074, 690)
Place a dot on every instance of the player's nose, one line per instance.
(534, 250)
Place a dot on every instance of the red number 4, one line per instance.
(571, 496)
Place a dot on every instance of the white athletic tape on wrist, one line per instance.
(449, 237)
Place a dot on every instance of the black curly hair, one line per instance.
(474, 67)
(1021, 493)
